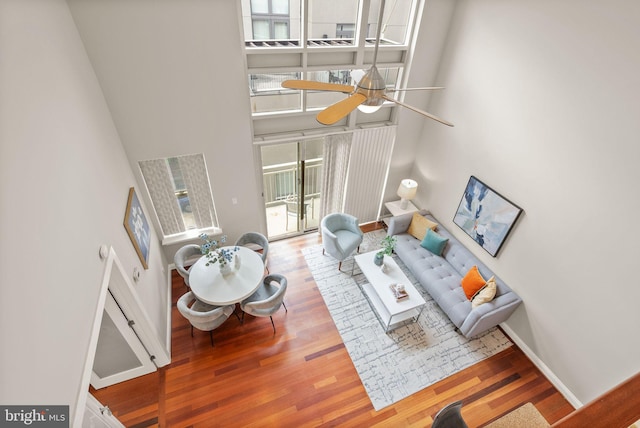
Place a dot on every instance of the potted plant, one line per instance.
(215, 254)
(388, 245)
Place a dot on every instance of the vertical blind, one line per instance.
(368, 169)
(336, 150)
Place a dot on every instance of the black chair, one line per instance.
(449, 417)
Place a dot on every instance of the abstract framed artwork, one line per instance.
(485, 215)
(137, 227)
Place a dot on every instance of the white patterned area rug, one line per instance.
(395, 365)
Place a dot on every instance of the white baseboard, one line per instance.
(546, 371)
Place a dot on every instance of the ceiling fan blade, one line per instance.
(416, 89)
(317, 86)
(417, 110)
(337, 111)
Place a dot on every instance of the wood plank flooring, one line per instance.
(302, 376)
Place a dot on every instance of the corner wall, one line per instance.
(544, 98)
(172, 73)
(64, 184)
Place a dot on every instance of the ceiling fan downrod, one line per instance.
(372, 84)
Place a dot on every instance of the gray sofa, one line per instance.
(441, 277)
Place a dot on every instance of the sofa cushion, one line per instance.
(472, 282)
(434, 242)
(419, 226)
(485, 294)
(435, 276)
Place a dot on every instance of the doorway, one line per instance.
(292, 179)
(120, 355)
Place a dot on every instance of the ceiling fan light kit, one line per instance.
(368, 95)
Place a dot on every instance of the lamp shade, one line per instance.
(407, 189)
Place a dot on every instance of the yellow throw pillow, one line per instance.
(485, 294)
(419, 225)
(472, 282)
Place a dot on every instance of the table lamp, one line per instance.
(407, 191)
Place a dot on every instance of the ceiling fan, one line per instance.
(369, 93)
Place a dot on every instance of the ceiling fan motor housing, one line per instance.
(373, 86)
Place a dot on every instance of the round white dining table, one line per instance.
(211, 287)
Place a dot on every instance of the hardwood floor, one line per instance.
(302, 376)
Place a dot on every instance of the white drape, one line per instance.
(336, 150)
(368, 169)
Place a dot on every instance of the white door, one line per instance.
(120, 355)
(98, 416)
(292, 176)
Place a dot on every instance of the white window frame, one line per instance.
(304, 56)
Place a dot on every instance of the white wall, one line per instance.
(430, 39)
(544, 99)
(173, 76)
(64, 184)
(544, 96)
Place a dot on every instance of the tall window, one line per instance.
(270, 19)
(180, 193)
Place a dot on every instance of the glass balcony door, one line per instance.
(292, 177)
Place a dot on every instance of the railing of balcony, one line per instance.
(289, 43)
(280, 181)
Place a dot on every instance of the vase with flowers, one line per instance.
(215, 254)
(388, 245)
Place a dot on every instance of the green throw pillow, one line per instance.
(434, 242)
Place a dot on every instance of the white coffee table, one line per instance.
(390, 312)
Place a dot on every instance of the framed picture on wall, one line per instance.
(137, 227)
(485, 215)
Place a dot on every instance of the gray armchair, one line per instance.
(341, 235)
(267, 299)
(256, 241)
(201, 315)
(449, 417)
(182, 256)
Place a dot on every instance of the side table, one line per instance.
(394, 209)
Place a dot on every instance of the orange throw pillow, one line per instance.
(472, 282)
